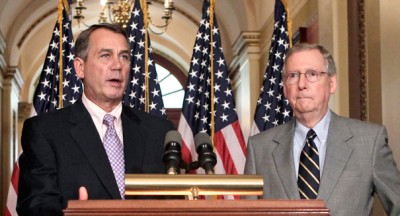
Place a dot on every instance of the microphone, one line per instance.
(206, 156)
(172, 151)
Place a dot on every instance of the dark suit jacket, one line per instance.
(62, 151)
(358, 164)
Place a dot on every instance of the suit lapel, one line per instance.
(134, 141)
(88, 139)
(337, 154)
(283, 158)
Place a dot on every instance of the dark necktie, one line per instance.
(309, 173)
(115, 153)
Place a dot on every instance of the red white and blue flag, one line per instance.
(209, 104)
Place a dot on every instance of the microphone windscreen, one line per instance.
(173, 136)
(202, 138)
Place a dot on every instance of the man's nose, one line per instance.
(302, 80)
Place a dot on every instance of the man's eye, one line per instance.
(293, 75)
(105, 55)
(312, 73)
(125, 57)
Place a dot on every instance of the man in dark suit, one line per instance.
(63, 154)
(318, 154)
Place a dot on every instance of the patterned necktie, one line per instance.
(115, 153)
(309, 173)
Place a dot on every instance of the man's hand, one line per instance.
(83, 194)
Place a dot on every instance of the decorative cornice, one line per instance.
(247, 43)
(246, 39)
(3, 63)
(2, 44)
(14, 76)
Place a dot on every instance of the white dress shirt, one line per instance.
(98, 114)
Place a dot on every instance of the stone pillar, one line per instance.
(3, 67)
(11, 87)
(246, 77)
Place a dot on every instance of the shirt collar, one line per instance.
(97, 113)
(321, 129)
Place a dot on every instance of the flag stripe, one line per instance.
(236, 146)
(188, 148)
(15, 177)
(12, 192)
(228, 166)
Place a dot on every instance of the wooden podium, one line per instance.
(196, 207)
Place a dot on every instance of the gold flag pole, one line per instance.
(288, 21)
(143, 4)
(212, 4)
(60, 59)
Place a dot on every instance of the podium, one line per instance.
(196, 207)
(194, 186)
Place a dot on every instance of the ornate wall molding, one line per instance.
(14, 78)
(362, 60)
(3, 64)
(246, 39)
(358, 95)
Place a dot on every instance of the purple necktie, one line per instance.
(115, 153)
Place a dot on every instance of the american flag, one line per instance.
(135, 93)
(46, 96)
(204, 88)
(272, 107)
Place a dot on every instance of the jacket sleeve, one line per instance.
(38, 193)
(386, 175)
(250, 166)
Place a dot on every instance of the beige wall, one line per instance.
(390, 70)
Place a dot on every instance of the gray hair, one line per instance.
(329, 62)
(82, 42)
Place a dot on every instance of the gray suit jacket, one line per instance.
(358, 164)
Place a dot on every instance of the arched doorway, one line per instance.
(172, 83)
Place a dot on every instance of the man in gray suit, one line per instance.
(318, 154)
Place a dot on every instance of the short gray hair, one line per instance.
(329, 62)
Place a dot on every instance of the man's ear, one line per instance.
(333, 84)
(79, 65)
(284, 91)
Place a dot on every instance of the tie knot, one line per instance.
(108, 120)
(311, 134)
